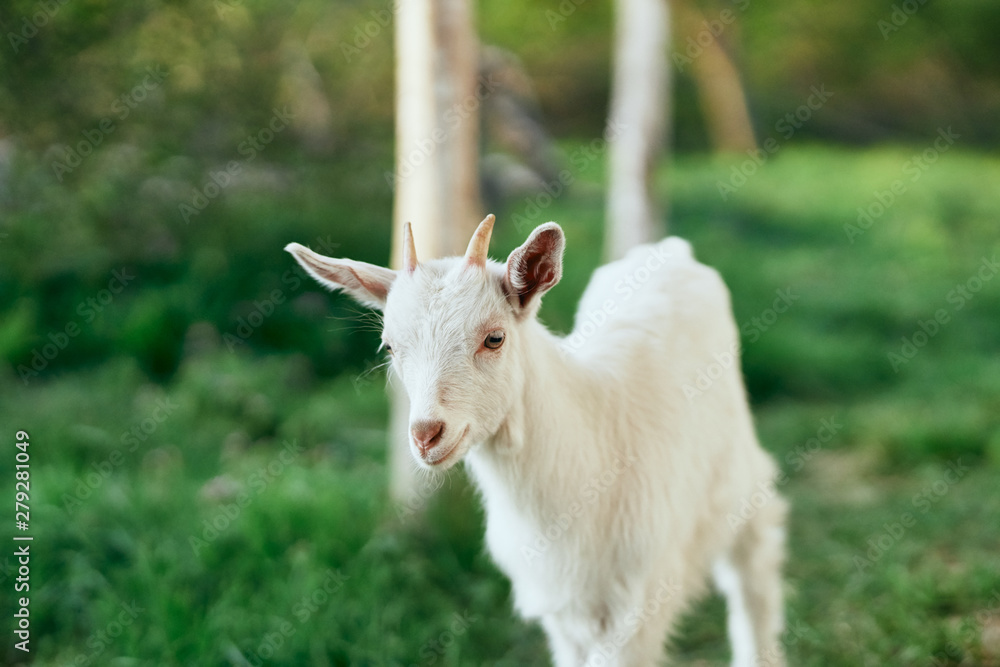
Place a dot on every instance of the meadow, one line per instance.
(209, 485)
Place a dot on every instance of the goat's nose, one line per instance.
(426, 434)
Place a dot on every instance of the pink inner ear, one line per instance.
(537, 274)
(534, 267)
(374, 287)
(324, 272)
(547, 275)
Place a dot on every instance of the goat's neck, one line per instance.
(548, 443)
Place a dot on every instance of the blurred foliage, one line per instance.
(118, 121)
(118, 530)
(116, 300)
(897, 69)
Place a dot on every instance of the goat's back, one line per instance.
(668, 347)
(657, 304)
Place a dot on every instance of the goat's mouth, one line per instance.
(442, 459)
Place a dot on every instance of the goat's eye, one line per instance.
(494, 339)
(387, 347)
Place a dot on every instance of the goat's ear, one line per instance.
(535, 267)
(367, 283)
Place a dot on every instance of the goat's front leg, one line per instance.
(636, 638)
(566, 646)
(756, 588)
(633, 645)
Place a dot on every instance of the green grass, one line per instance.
(308, 563)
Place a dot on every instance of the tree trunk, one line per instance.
(436, 179)
(637, 123)
(720, 91)
(458, 112)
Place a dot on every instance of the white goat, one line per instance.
(610, 495)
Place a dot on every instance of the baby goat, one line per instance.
(611, 492)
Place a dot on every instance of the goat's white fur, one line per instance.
(607, 490)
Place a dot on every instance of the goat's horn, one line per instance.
(479, 246)
(409, 250)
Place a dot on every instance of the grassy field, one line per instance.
(236, 512)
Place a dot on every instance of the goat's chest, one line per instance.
(544, 559)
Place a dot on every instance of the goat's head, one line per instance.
(454, 329)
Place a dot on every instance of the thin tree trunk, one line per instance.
(720, 91)
(637, 123)
(458, 111)
(416, 198)
(436, 178)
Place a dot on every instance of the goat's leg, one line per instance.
(751, 580)
(565, 647)
(644, 648)
(638, 638)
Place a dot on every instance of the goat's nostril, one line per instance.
(426, 434)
